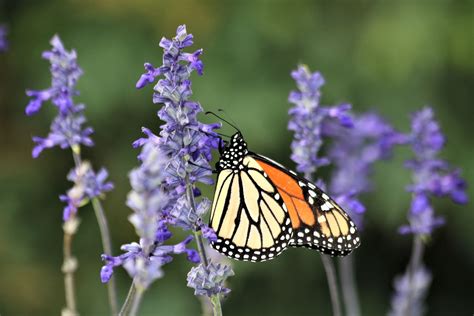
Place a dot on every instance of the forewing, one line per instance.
(317, 221)
(249, 215)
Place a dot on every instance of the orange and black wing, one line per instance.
(317, 221)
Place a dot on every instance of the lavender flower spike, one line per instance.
(171, 164)
(431, 175)
(67, 129)
(307, 117)
(3, 39)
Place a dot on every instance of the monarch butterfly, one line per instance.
(261, 208)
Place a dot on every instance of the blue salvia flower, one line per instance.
(354, 152)
(209, 281)
(431, 176)
(307, 118)
(3, 38)
(87, 185)
(67, 129)
(410, 293)
(186, 142)
(172, 163)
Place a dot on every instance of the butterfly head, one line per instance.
(233, 153)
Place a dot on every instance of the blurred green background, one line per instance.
(391, 57)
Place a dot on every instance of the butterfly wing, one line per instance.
(317, 221)
(262, 208)
(249, 215)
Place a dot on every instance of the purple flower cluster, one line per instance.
(431, 176)
(171, 165)
(67, 129)
(353, 153)
(307, 118)
(144, 266)
(87, 185)
(3, 39)
(410, 293)
(209, 281)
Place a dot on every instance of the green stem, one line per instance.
(216, 305)
(104, 233)
(137, 299)
(332, 282)
(348, 286)
(128, 301)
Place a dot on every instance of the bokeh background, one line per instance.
(390, 57)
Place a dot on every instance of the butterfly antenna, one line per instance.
(222, 110)
(195, 164)
(222, 119)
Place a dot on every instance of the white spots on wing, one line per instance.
(311, 200)
(326, 206)
(325, 196)
(301, 184)
(312, 193)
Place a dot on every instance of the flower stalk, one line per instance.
(104, 234)
(348, 286)
(67, 131)
(69, 266)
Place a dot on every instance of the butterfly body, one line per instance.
(261, 208)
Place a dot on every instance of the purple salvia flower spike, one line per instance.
(67, 129)
(159, 185)
(307, 118)
(431, 175)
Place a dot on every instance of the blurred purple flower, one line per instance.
(307, 118)
(431, 175)
(354, 152)
(209, 280)
(410, 293)
(67, 128)
(3, 38)
(87, 185)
